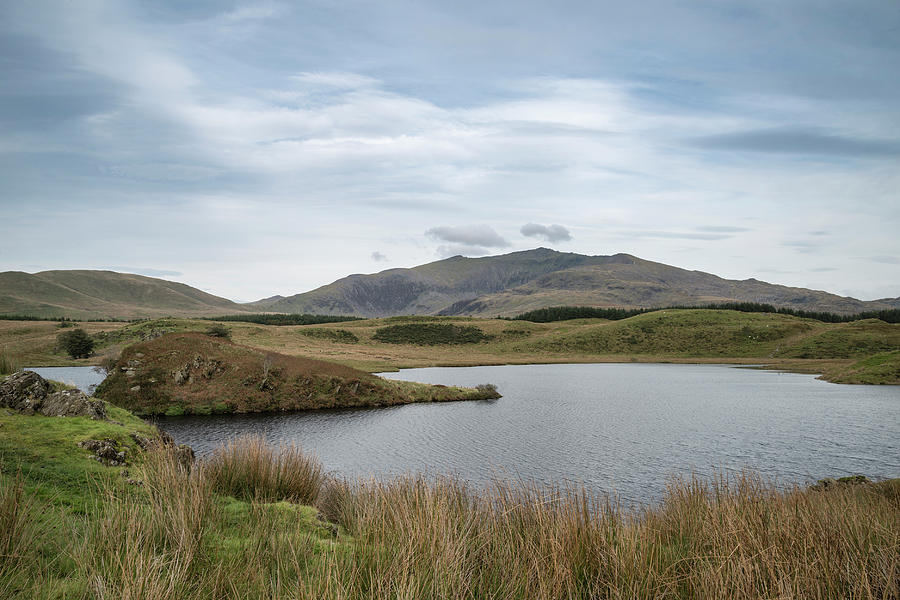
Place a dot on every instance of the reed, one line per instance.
(437, 538)
(247, 467)
(7, 365)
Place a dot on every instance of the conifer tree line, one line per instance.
(565, 313)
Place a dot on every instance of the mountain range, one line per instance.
(489, 286)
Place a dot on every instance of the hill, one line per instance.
(520, 281)
(104, 294)
(193, 373)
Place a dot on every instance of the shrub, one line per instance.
(488, 390)
(333, 335)
(430, 334)
(220, 331)
(76, 342)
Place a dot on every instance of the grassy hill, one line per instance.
(104, 294)
(376, 345)
(521, 281)
(193, 373)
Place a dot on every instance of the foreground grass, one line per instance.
(224, 530)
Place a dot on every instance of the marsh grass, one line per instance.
(248, 468)
(437, 538)
(7, 365)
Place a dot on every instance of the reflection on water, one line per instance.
(614, 427)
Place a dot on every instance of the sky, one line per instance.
(259, 148)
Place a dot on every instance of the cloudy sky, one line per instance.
(260, 148)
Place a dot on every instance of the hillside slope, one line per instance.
(513, 283)
(104, 294)
(193, 373)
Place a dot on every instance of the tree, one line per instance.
(219, 330)
(77, 343)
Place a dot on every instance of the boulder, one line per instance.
(105, 451)
(29, 393)
(24, 392)
(73, 403)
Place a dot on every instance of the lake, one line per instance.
(621, 428)
(85, 379)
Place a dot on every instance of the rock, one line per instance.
(29, 393)
(830, 483)
(142, 442)
(184, 454)
(73, 403)
(24, 392)
(135, 389)
(105, 451)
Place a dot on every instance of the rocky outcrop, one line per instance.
(105, 451)
(73, 403)
(29, 393)
(24, 392)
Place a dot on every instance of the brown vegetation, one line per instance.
(733, 537)
(192, 373)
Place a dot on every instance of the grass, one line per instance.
(191, 373)
(181, 535)
(881, 368)
(700, 335)
(7, 365)
(248, 468)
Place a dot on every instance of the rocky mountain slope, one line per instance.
(514, 283)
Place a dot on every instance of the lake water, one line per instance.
(621, 428)
(85, 379)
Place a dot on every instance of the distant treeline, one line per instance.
(565, 313)
(280, 319)
(64, 319)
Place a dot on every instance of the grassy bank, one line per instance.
(248, 523)
(837, 350)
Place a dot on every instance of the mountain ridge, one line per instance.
(501, 285)
(513, 283)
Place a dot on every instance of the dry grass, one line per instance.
(248, 468)
(414, 538)
(736, 538)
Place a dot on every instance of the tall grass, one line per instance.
(417, 538)
(18, 533)
(247, 467)
(7, 365)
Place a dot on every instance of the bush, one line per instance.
(77, 343)
(333, 335)
(430, 334)
(220, 331)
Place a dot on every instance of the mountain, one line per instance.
(104, 294)
(513, 283)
